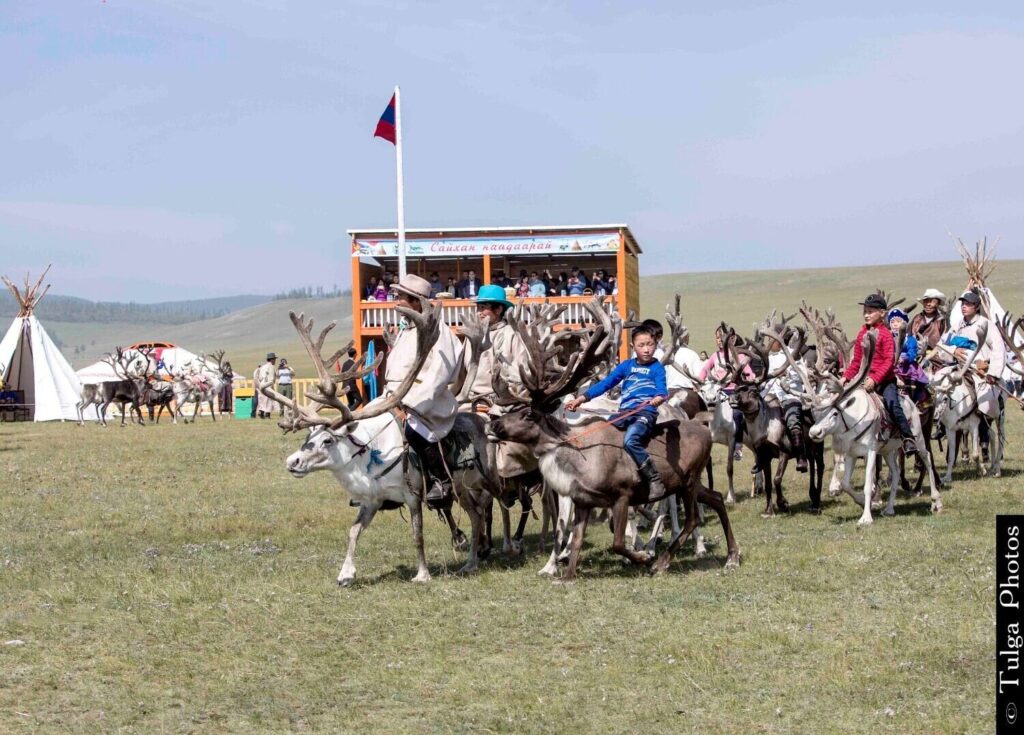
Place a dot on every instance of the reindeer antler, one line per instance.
(427, 326)
(477, 334)
(1009, 331)
(679, 334)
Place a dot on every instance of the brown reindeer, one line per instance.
(591, 468)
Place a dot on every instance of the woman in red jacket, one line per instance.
(881, 377)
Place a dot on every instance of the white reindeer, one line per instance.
(366, 451)
(960, 406)
(853, 418)
(197, 383)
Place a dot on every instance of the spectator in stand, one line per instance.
(581, 277)
(436, 286)
(575, 286)
(469, 286)
(498, 278)
(538, 288)
(560, 285)
(381, 292)
(612, 283)
(371, 288)
(598, 284)
(523, 289)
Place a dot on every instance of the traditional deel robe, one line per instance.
(429, 403)
(265, 373)
(992, 350)
(512, 459)
(928, 329)
(776, 387)
(683, 358)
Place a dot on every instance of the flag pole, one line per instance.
(400, 184)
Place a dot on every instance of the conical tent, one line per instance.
(31, 362)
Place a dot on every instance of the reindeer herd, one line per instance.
(138, 385)
(580, 465)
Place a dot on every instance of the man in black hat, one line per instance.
(881, 377)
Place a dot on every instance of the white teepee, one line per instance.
(31, 362)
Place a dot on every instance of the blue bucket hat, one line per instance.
(893, 313)
(492, 294)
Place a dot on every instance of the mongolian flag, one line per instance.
(386, 124)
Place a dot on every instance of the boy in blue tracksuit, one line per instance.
(643, 384)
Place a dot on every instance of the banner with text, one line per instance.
(605, 242)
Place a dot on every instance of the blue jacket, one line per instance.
(640, 383)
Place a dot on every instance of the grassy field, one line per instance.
(176, 579)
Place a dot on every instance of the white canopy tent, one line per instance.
(31, 363)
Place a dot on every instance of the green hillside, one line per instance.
(739, 297)
(744, 297)
(246, 335)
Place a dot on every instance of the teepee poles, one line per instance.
(30, 297)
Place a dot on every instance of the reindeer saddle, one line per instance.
(200, 381)
(457, 448)
(887, 429)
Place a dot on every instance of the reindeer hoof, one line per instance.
(469, 568)
(661, 566)
(865, 522)
(733, 560)
(783, 506)
(459, 541)
(422, 578)
(564, 581)
(346, 581)
(730, 499)
(549, 570)
(515, 549)
(889, 512)
(700, 553)
(937, 506)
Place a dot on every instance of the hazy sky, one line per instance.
(174, 148)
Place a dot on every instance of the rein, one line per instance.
(574, 439)
(375, 459)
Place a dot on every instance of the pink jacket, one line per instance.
(715, 367)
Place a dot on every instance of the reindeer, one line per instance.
(200, 385)
(128, 389)
(957, 408)
(365, 448)
(853, 418)
(590, 468)
(766, 433)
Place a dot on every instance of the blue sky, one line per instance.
(180, 148)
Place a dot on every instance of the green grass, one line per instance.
(176, 579)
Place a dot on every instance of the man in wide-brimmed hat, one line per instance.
(429, 406)
(264, 375)
(929, 326)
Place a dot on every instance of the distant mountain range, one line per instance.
(73, 309)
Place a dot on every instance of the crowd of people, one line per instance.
(528, 284)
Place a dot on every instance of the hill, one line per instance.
(57, 308)
(743, 298)
(739, 297)
(245, 335)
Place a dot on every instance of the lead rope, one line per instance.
(574, 439)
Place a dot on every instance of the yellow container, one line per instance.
(244, 392)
